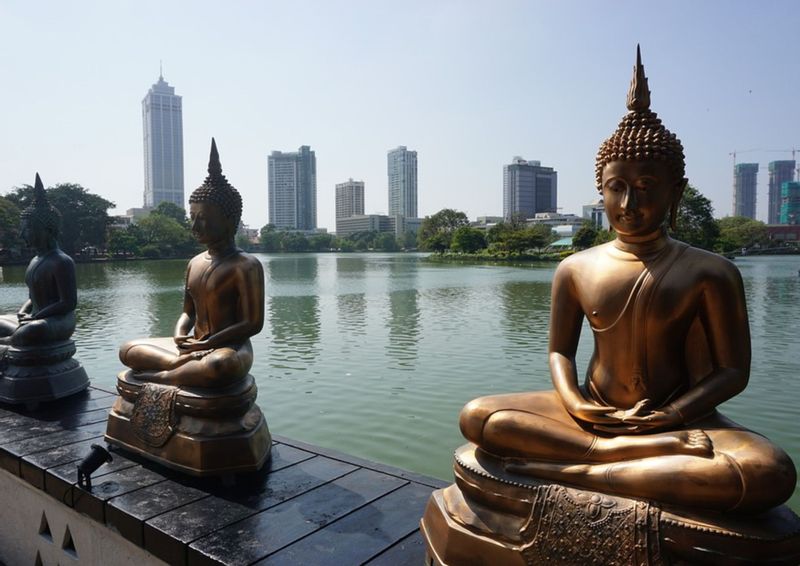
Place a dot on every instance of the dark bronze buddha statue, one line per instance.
(188, 401)
(36, 362)
(35, 343)
(642, 433)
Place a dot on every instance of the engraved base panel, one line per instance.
(196, 446)
(490, 516)
(34, 375)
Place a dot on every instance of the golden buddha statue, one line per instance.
(188, 401)
(671, 341)
(35, 348)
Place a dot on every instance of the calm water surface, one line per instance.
(376, 354)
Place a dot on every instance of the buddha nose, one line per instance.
(629, 199)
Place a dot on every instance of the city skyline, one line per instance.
(476, 89)
(162, 125)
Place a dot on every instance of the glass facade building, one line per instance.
(162, 117)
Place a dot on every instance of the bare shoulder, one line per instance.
(711, 267)
(582, 261)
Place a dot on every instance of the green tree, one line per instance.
(321, 242)
(603, 236)
(386, 242)
(585, 236)
(84, 216)
(695, 223)
(9, 225)
(172, 210)
(467, 239)
(271, 240)
(165, 233)
(535, 237)
(294, 242)
(737, 232)
(125, 241)
(408, 240)
(436, 231)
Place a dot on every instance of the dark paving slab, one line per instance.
(362, 535)
(308, 505)
(262, 534)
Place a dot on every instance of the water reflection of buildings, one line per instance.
(351, 300)
(293, 308)
(403, 320)
(526, 306)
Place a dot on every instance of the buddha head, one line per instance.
(640, 169)
(215, 207)
(41, 222)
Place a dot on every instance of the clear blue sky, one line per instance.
(468, 85)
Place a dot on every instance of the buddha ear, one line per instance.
(673, 208)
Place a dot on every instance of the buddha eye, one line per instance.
(616, 185)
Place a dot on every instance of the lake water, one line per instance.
(375, 354)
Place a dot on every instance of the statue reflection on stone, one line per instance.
(635, 466)
(188, 401)
(36, 352)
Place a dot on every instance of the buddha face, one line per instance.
(208, 223)
(34, 234)
(638, 195)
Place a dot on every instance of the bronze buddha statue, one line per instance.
(188, 401)
(35, 348)
(671, 342)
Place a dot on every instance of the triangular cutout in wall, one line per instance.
(44, 528)
(69, 545)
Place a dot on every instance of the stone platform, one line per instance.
(307, 506)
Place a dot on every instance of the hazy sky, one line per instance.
(468, 85)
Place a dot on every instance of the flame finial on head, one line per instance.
(638, 93)
(216, 189)
(41, 210)
(640, 135)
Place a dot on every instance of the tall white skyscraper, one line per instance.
(402, 169)
(292, 185)
(528, 188)
(162, 114)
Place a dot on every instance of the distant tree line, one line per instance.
(273, 240)
(449, 231)
(165, 232)
(84, 217)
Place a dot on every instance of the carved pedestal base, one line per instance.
(35, 374)
(198, 432)
(490, 516)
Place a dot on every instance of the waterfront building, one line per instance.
(790, 203)
(780, 172)
(745, 181)
(563, 224)
(349, 200)
(292, 187)
(162, 117)
(528, 188)
(402, 171)
(595, 212)
(397, 224)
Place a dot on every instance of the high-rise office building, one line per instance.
(790, 203)
(292, 182)
(528, 188)
(162, 115)
(402, 169)
(780, 172)
(349, 200)
(745, 181)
